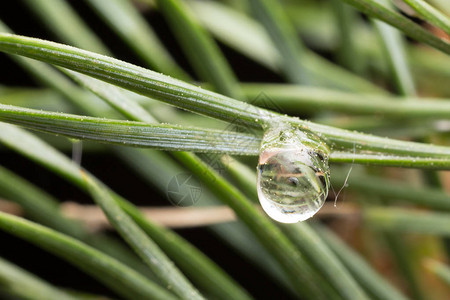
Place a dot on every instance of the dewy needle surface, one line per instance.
(293, 173)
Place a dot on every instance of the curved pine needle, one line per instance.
(283, 36)
(43, 208)
(267, 233)
(241, 33)
(192, 98)
(117, 276)
(408, 220)
(379, 11)
(299, 64)
(377, 159)
(430, 14)
(306, 240)
(200, 48)
(438, 268)
(395, 191)
(366, 275)
(133, 29)
(394, 51)
(177, 138)
(186, 255)
(146, 248)
(204, 272)
(18, 282)
(292, 98)
(61, 18)
(156, 136)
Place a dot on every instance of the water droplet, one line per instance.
(293, 173)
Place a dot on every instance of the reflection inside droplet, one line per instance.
(293, 174)
(77, 151)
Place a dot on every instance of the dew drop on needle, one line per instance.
(293, 173)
